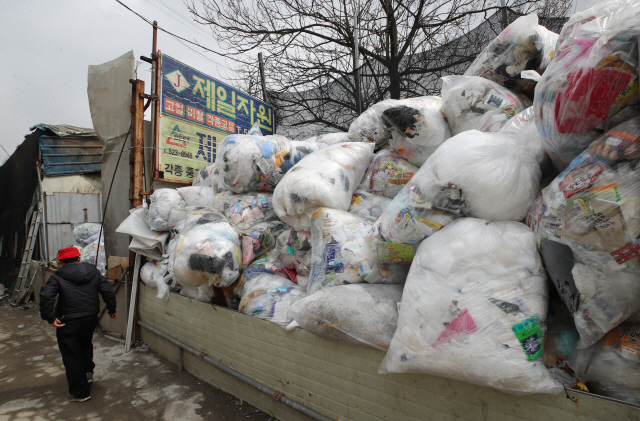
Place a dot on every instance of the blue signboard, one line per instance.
(193, 97)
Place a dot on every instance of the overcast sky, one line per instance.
(47, 46)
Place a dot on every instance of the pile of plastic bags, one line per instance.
(245, 210)
(387, 174)
(166, 210)
(260, 239)
(90, 254)
(269, 297)
(87, 233)
(207, 177)
(474, 309)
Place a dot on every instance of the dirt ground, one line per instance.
(138, 385)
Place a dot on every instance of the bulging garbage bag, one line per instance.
(485, 175)
(475, 103)
(207, 177)
(522, 46)
(329, 139)
(523, 127)
(365, 315)
(417, 127)
(90, 253)
(588, 220)
(368, 204)
(166, 210)
(245, 210)
(592, 83)
(269, 297)
(207, 253)
(260, 239)
(202, 293)
(387, 174)
(257, 163)
(324, 178)
(87, 233)
(294, 250)
(340, 251)
(474, 309)
(198, 216)
(155, 274)
(611, 367)
(197, 196)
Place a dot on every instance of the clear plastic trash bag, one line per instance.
(207, 177)
(485, 175)
(387, 174)
(257, 163)
(368, 204)
(365, 315)
(260, 239)
(269, 297)
(202, 293)
(474, 309)
(294, 250)
(588, 220)
(197, 196)
(88, 255)
(329, 139)
(87, 233)
(611, 367)
(523, 128)
(521, 46)
(207, 253)
(475, 103)
(245, 210)
(166, 210)
(155, 274)
(560, 342)
(324, 178)
(592, 83)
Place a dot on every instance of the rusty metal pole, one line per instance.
(137, 142)
(156, 88)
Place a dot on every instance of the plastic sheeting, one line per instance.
(592, 84)
(197, 196)
(387, 174)
(523, 45)
(485, 175)
(87, 233)
(269, 297)
(474, 309)
(324, 178)
(166, 210)
(257, 163)
(589, 221)
(260, 239)
(475, 103)
(245, 210)
(368, 204)
(145, 241)
(364, 315)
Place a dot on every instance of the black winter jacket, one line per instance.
(77, 286)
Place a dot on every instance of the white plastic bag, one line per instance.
(197, 196)
(202, 293)
(592, 83)
(523, 45)
(588, 220)
(207, 177)
(387, 174)
(484, 175)
(257, 163)
(269, 297)
(329, 139)
(475, 103)
(87, 233)
(368, 204)
(245, 210)
(88, 255)
(166, 210)
(365, 315)
(474, 309)
(522, 127)
(324, 178)
(155, 275)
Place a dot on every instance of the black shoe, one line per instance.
(90, 377)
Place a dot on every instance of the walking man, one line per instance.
(76, 316)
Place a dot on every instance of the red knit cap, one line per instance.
(68, 253)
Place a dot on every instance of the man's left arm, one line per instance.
(108, 296)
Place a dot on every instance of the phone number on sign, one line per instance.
(181, 154)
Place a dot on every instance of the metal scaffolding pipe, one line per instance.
(248, 380)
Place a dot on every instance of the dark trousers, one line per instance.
(74, 342)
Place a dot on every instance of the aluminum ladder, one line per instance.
(22, 286)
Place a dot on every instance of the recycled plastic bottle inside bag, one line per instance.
(474, 309)
(358, 314)
(588, 221)
(368, 204)
(166, 210)
(324, 178)
(592, 83)
(475, 103)
(257, 163)
(245, 210)
(269, 297)
(611, 367)
(469, 175)
(521, 46)
(387, 174)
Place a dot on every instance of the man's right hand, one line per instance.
(57, 323)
